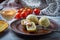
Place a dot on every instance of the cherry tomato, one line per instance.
(18, 16)
(24, 13)
(20, 10)
(36, 11)
(30, 11)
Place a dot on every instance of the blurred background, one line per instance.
(48, 7)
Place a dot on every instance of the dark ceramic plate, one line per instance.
(18, 28)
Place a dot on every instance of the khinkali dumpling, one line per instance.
(32, 18)
(44, 21)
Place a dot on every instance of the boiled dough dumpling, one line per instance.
(33, 18)
(44, 21)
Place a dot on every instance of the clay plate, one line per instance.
(18, 28)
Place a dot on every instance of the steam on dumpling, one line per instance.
(33, 18)
(44, 21)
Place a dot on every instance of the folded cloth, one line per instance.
(53, 9)
(50, 10)
(34, 3)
